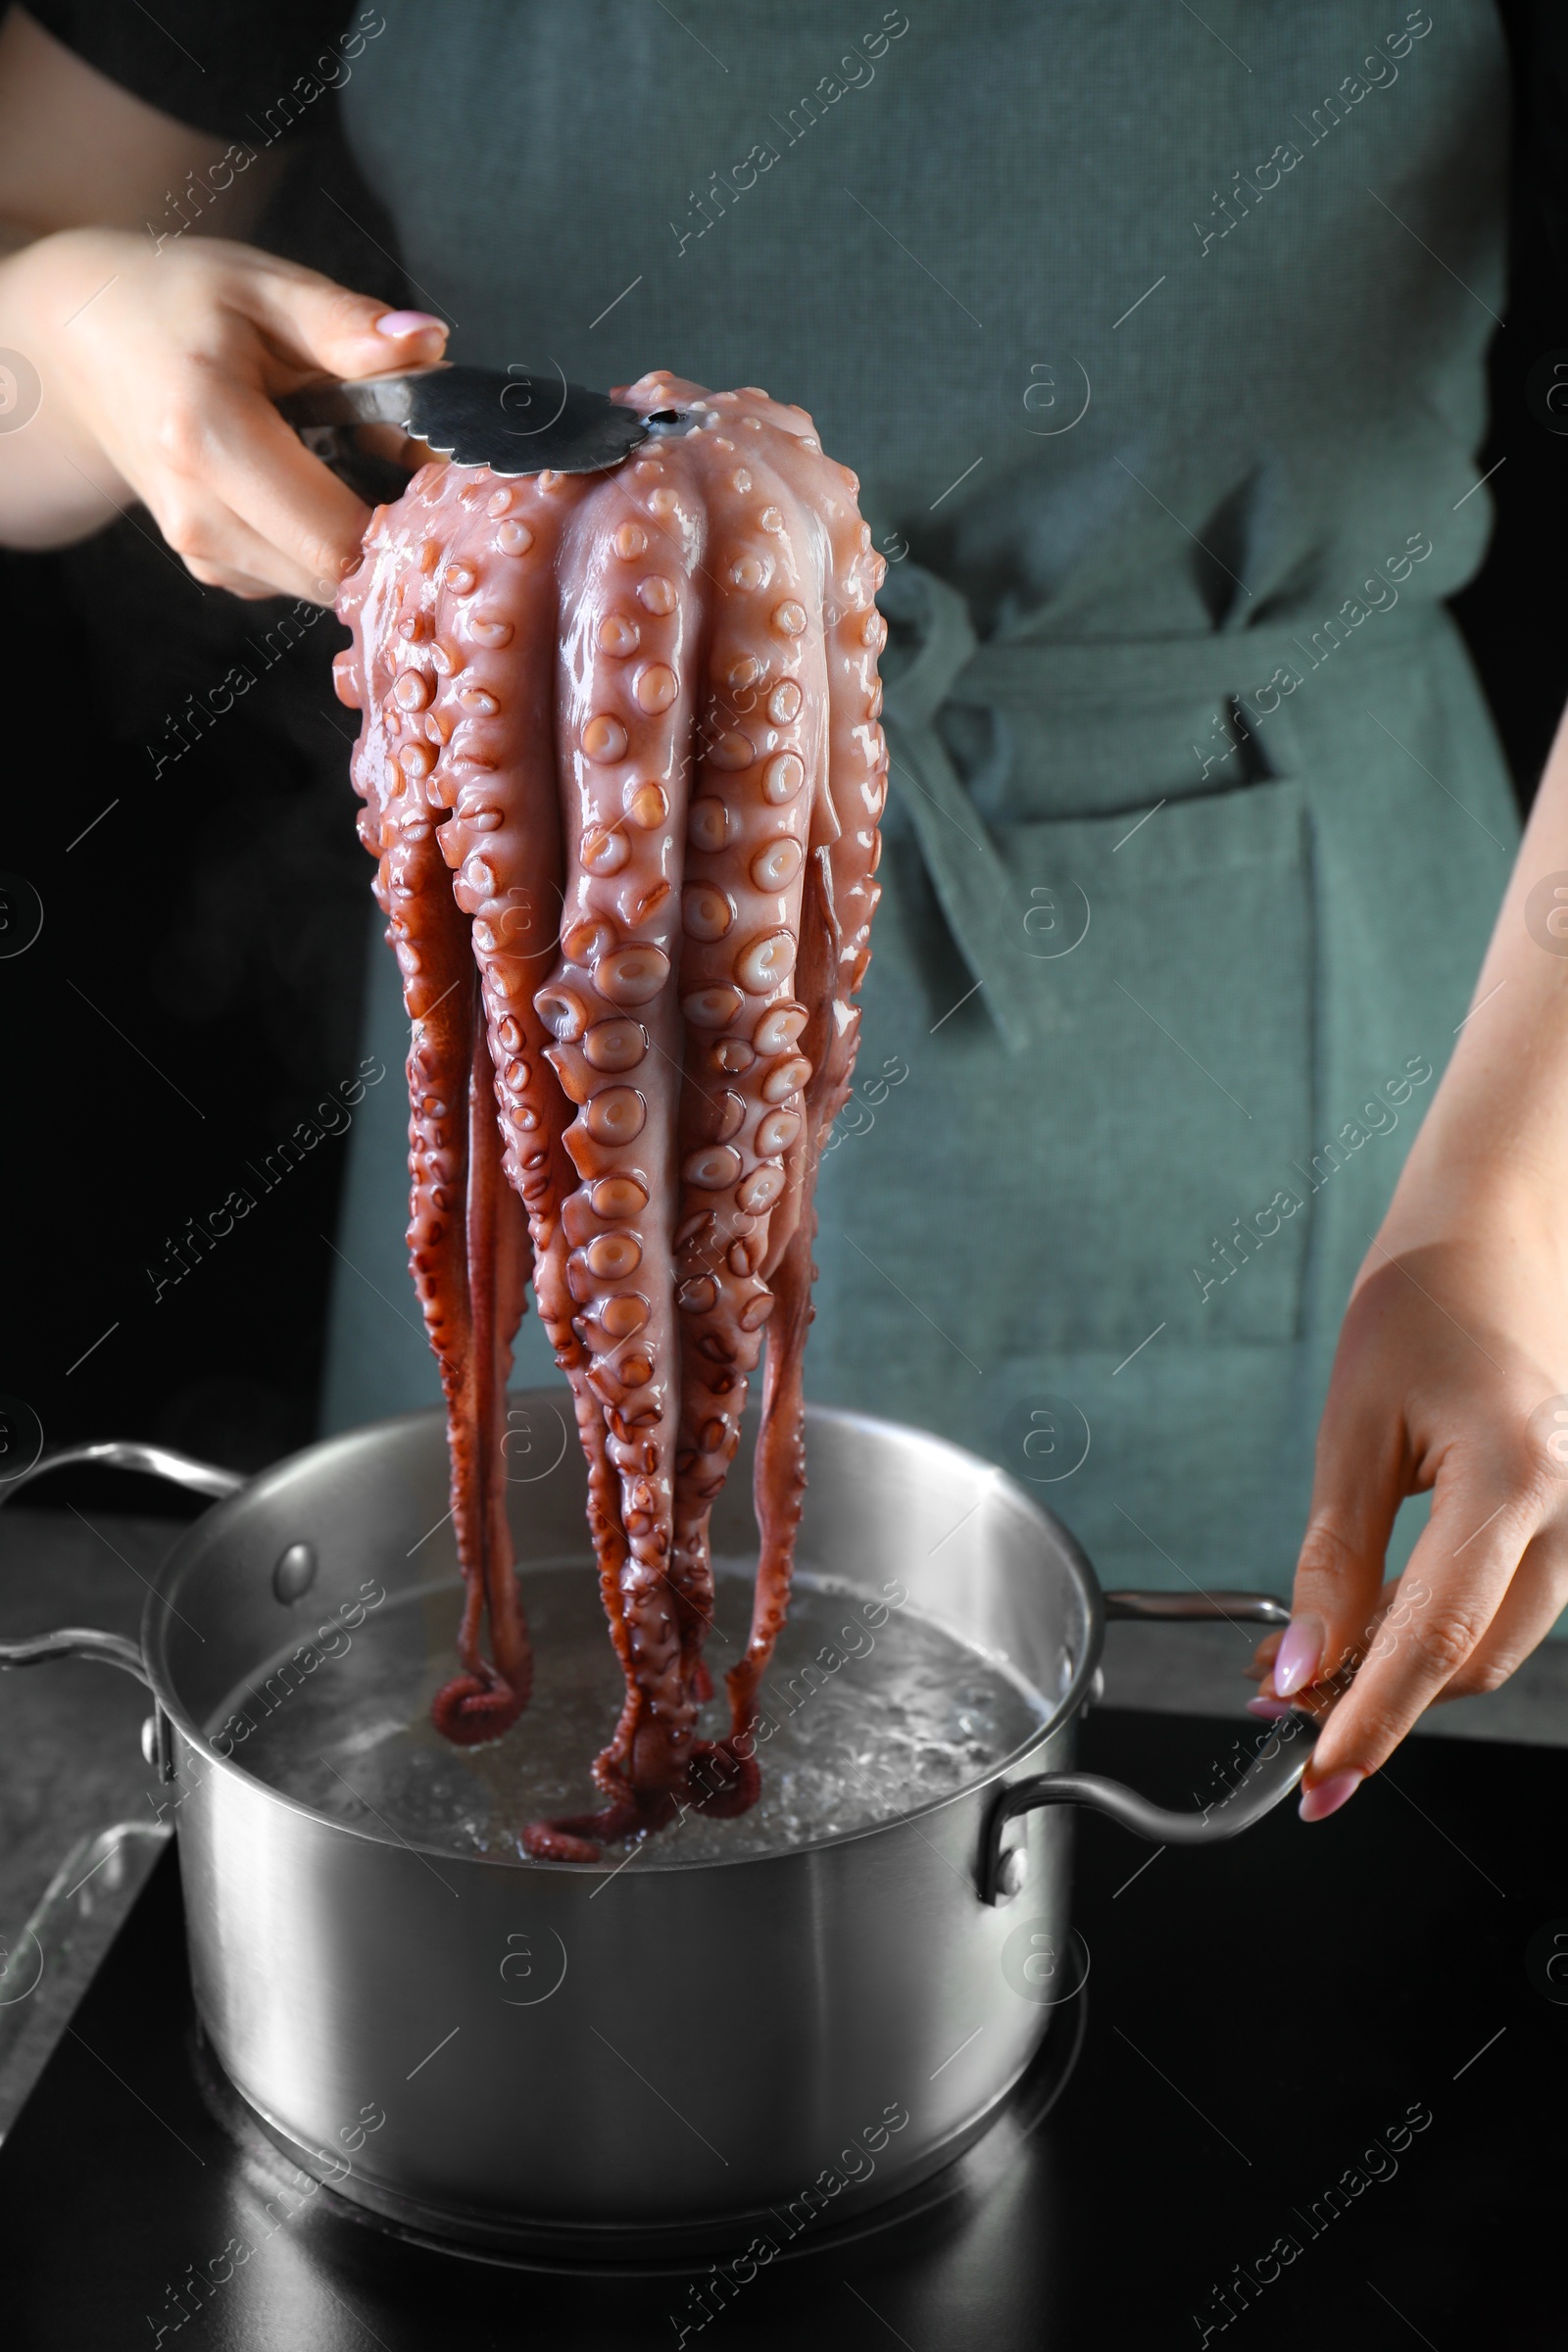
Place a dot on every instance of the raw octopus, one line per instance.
(621, 773)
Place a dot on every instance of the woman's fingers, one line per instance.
(1262, 1659)
(316, 326)
(226, 447)
(1450, 1342)
(1261, 1668)
(1357, 1486)
(1529, 1609)
(289, 501)
(243, 584)
(244, 508)
(146, 355)
(1448, 1597)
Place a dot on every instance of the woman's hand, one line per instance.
(158, 371)
(1451, 1375)
(1452, 1372)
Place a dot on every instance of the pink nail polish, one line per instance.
(1268, 1711)
(407, 323)
(1330, 1794)
(1298, 1656)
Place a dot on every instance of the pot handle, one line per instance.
(112, 1453)
(1253, 1609)
(1274, 1769)
(130, 1453)
(77, 1642)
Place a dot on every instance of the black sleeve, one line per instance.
(244, 69)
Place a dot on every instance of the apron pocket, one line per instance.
(1135, 1166)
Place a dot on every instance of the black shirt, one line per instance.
(244, 69)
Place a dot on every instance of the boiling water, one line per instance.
(869, 1709)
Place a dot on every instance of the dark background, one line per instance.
(196, 988)
(219, 917)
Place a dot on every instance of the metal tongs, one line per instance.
(512, 422)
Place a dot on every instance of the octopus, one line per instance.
(621, 773)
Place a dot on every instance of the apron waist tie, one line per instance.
(967, 875)
(935, 658)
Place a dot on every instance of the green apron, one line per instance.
(1158, 348)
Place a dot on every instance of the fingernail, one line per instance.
(1329, 1796)
(1298, 1655)
(407, 323)
(1268, 1711)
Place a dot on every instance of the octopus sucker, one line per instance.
(621, 771)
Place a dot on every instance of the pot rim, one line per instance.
(159, 1607)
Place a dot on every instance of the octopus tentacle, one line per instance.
(391, 675)
(513, 1263)
(480, 1702)
(438, 991)
(491, 727)
(839, 904)
(629, 584)
(430, 940)
(748, 832)
(778, 1471)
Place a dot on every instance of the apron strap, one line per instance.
(935, 642)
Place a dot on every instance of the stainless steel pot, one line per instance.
(488, 2051)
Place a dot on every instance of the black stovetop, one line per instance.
(1321, 2099)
